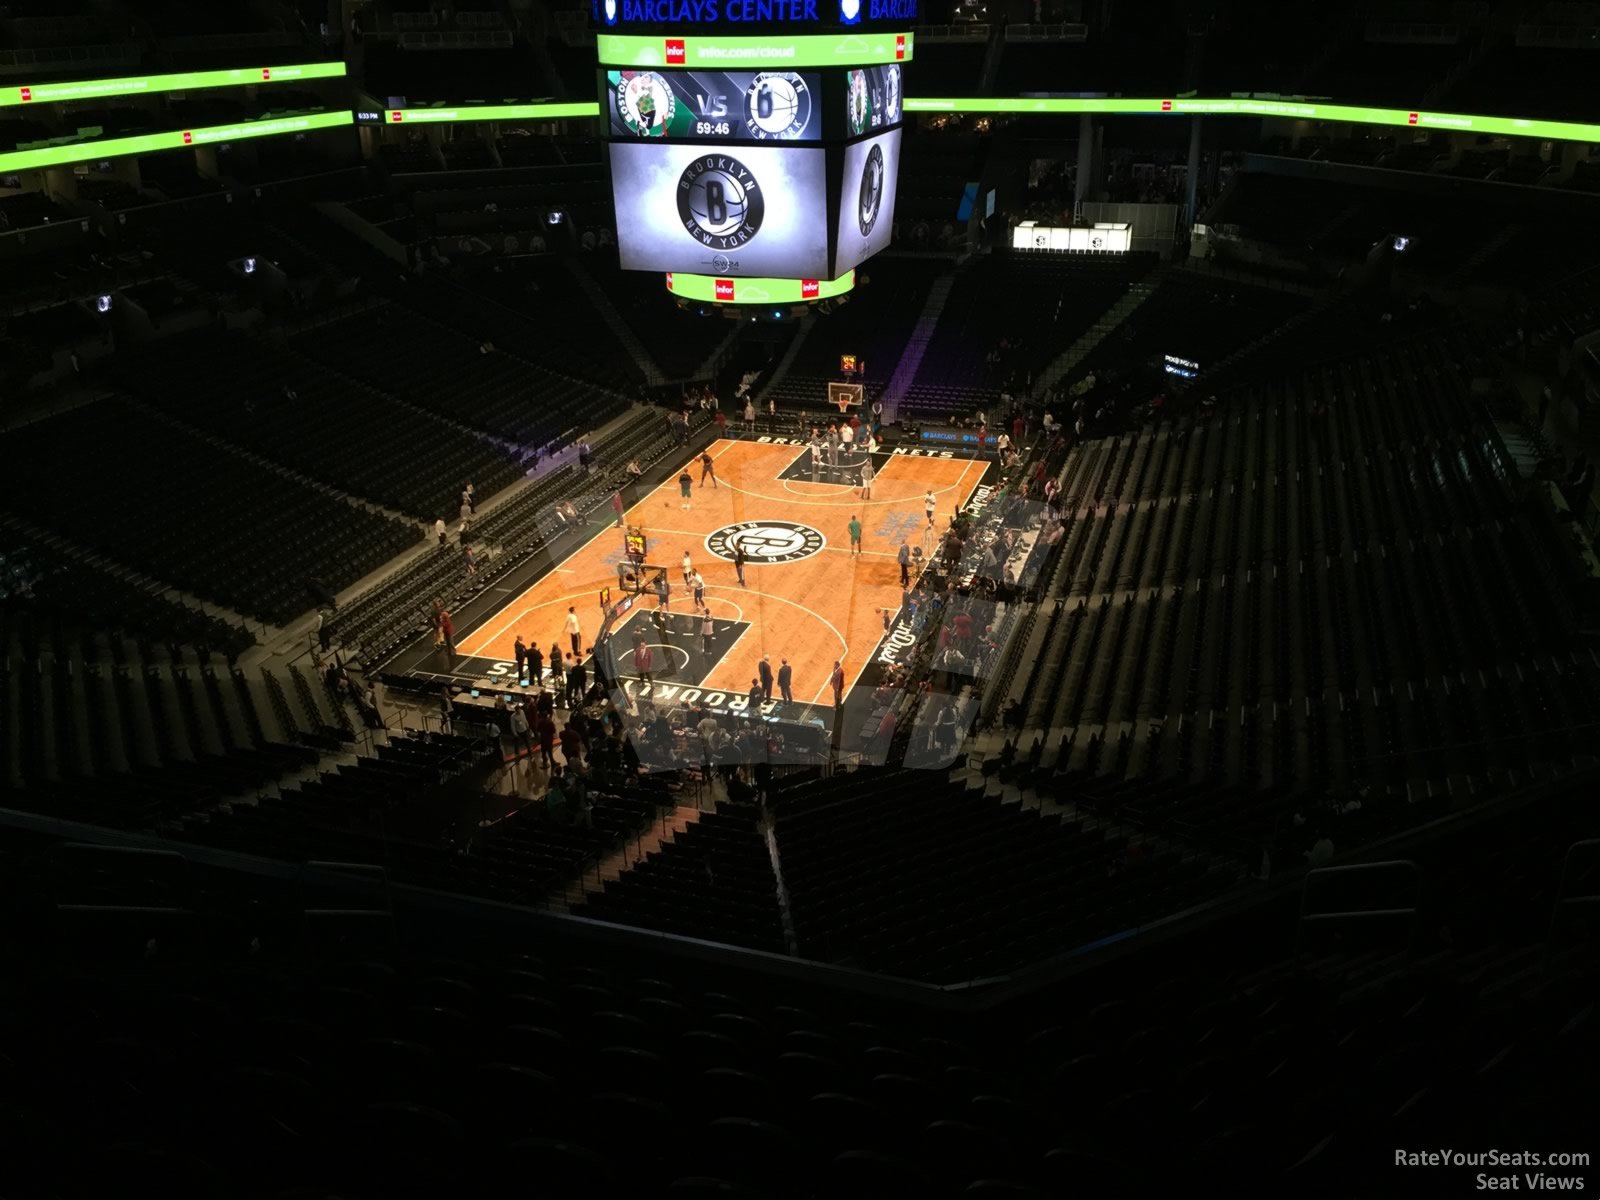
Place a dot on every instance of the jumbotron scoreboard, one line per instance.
(754, 144)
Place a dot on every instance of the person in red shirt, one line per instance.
(722, 423)
(643, 659)
(838, 684)
(448, 630)
(1018, 428)
(616, 507)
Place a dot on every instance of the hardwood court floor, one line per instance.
(812, 611)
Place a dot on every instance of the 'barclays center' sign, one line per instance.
(750, 12)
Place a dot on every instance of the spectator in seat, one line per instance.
(440, 531)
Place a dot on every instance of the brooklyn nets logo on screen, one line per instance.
(777, 104)
(720, 202)
(767, 541)
(871, 191)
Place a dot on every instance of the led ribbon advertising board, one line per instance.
(1249, 106)
(852, 49)
(178, 139)
(144, 85)
(708, 289)
(495, 112)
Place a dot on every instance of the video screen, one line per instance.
(866, 200)
(872, 98)
(744, 211)
(674, 106)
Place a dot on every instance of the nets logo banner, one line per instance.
(760, 211)
(713, 105)
(866, 203)
(767, 542)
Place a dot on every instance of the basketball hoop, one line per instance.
(843, 399)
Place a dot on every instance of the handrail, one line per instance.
(1387, 866)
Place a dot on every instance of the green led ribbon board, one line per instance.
(140, 85)
(803, 50)
(1570, 131)
(177, 139)
(494, 112)
(708, 289)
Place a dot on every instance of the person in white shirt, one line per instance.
(867, 474)
(688, 569)
(439, 530)
(929, 504)
(847, 433)
(750, 415)
(575, 632)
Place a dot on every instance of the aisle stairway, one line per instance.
(916, 346)
(1074, 354)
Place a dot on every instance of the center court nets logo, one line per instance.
(767, 541)
(720, 202)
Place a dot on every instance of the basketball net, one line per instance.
(844, 403)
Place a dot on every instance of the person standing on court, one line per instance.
(765, 671)
(929, 504)
(663, 592)
(643, 660)
(739, 559)
(867, 475)
(698, 583)
(750, 415)
(616, 506)
(903, 557)
(520, 648)
(707, 630)
(855, 534)
(838, 683)
(574, 631)
(686, 491)
(708, 467)
(688, 569)
(786, 681)
(755, 695)
(535, 665)
(555, 665)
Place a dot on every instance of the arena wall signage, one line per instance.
(708, 289)
(854, 49)
(178, 139)
(614, 13)
(141, 85)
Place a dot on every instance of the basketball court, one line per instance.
(806, 596)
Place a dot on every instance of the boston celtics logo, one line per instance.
(720, 202)
(766, 541)
(645, 104)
